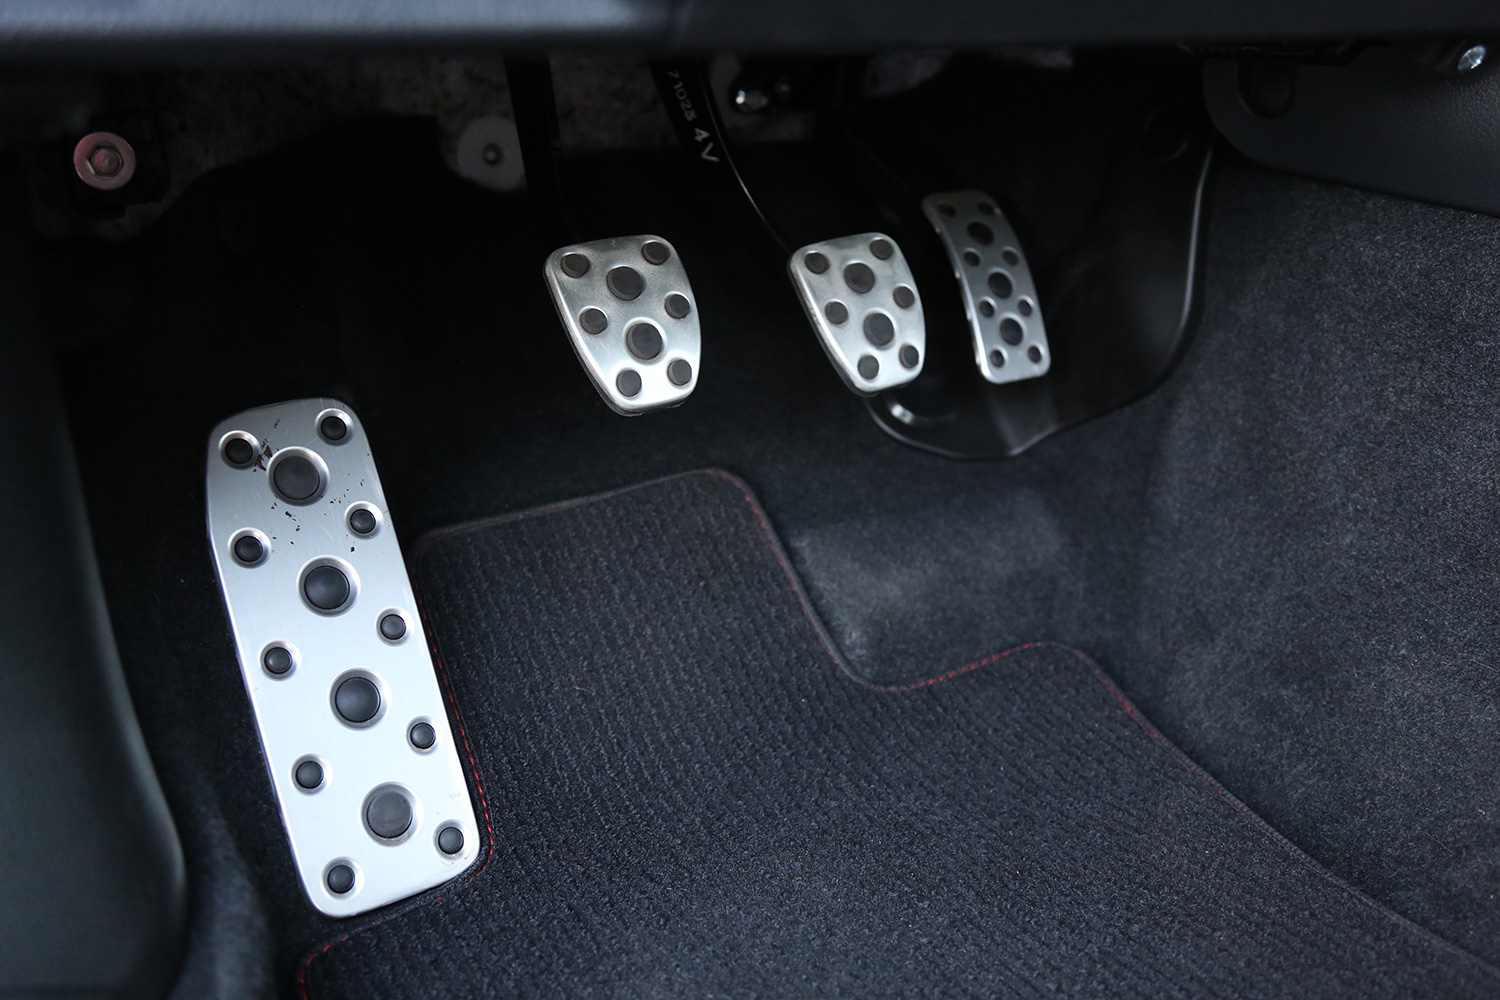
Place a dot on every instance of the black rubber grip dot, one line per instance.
(904, 297)
(575, 265)
(393, 627)
(981, 234)
(625, 283)
(1035, 354)
(1000, 284)
(357, 700)
(296, 479)
(643, 340)
(333, 428)
(678, 306)
(816, 262)
(997, 358)
(882, 249)
(1011, 331)
(238, 452)
(1010, 257)
(248, 550)
(629, 383)
(909, 356)
(986, 308)
(388, 814)
(859, 277)
(680, 372)
(836, 312)
(326, 588)
(340, 879)
(655, 252)
(971, 258)
(868, 367)
(593, 320)
(277, 660)
(422, 736)
(879, 330)
(309, 774)
(450, 840)
(362, 521)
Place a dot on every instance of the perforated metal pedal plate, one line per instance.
(1000, 300)
(631, 317)
(862, 301)
(334, 658)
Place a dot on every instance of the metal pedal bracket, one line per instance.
(631, 317)
(334, 658)
(1000, 300)
(861, 299)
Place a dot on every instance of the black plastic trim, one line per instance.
(1391, 120)
(92, 883)
(186, 29)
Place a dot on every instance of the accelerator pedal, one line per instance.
(631, 317)
(1000, 300)
(861, 298)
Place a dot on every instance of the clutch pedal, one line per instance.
(630, 314)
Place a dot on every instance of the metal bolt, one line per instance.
(750, 101)
(103, 160)
(106, 160)
(1472, 58)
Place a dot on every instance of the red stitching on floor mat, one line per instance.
(791, 578)
(898, 688)
(1162, 741)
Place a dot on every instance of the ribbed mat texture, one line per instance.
(687, 795)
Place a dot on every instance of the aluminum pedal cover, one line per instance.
(335, 658)
(861, 299)
(631, 316)
(1000, 300)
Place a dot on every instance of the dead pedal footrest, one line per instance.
(334, 658)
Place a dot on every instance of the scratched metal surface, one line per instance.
(294, 711)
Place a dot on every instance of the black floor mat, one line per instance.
(687, 795)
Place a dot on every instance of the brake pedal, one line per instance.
(861, 298)
(334, 658)
(631, 317)
(1000, 300)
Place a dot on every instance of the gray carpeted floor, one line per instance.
(1289, 554)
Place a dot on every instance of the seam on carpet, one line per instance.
(1266, 828)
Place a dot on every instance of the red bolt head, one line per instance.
(105, 160)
